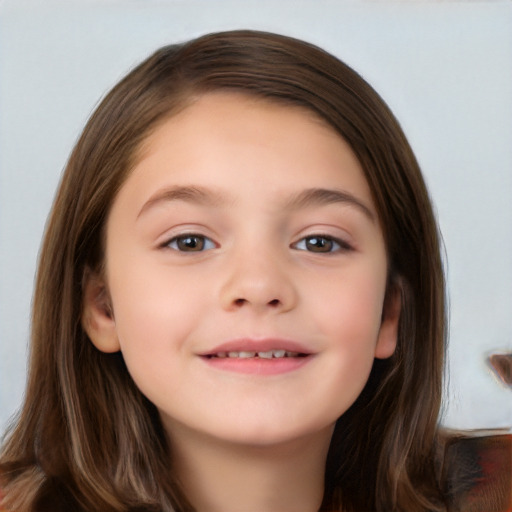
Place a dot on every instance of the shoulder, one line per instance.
(477, 472)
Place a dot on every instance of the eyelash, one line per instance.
(336, 244)
(189, 236)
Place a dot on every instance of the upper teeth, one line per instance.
(244, 354)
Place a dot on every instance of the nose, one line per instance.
(259, 281)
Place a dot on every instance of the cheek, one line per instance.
(351, 307)
(154, 311)
(350, 319)
(152, 325)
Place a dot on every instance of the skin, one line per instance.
(245, 441)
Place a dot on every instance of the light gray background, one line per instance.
(445, 68)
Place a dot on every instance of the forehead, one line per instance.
(217, 108)
(238, 141)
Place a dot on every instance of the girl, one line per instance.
(240, 298)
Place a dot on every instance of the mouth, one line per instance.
(249, 354)
(263, 357)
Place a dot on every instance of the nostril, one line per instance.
(273, 303)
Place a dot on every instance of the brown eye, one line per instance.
(190, 243)
(319, 244)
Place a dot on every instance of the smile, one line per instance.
(269, 354)
(258, 357)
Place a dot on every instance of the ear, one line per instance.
(97, 317)
(388, 333)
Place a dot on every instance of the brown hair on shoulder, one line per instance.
(86, 438)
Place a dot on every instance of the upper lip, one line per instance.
(258, 345)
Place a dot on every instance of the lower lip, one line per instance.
(256, 365)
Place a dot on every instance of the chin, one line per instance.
(258, 435)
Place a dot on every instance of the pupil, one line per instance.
(319, 244)
(190, 243)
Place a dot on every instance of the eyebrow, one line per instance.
(323, 196)
(189, 194)
(304, 199)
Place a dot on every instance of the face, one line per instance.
(246, 271)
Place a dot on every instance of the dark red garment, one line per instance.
(478, 473)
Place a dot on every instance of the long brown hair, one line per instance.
(86, 438)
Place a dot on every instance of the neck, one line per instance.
(225, 477)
